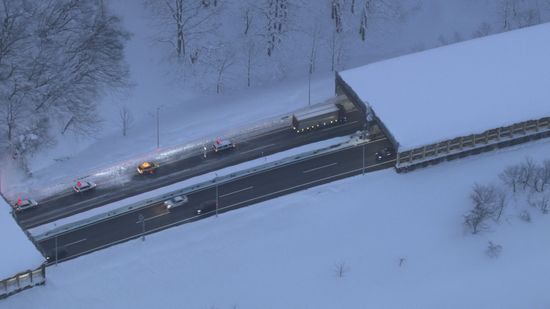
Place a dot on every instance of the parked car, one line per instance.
(22, 205)
(147, 167)
(384, 154)
(176, 201)
(83, 186)
(223, 144)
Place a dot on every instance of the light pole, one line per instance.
(364, 159)
(56, 250)
(141, 219)
(309, 83)
(217, 197)
(158, 127)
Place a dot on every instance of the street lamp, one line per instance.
(158, 127)
(56, 250)
(217, 197)
(364, 158)
(141, 219)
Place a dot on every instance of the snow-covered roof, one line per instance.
(459, 89)
(18, 252)
(316, 111)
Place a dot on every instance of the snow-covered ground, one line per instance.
(460, 89)
(18, 252)
(284, 253)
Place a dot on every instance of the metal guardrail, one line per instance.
(355, 139)
(22, 281)
(473, 141)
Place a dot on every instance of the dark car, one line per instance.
(384, 154)
(61, 254)
(206, 207)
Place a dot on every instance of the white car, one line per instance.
(22, 205)
(176, 201)
(83, 186)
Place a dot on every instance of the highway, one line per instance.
(236, 193)
(70, 203)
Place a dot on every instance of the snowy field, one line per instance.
(285, 253)
(460, 89)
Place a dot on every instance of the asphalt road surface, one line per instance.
(234, 194)
(70, 203)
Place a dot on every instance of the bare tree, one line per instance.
(484, 198)
(493, 250)
(341, 269)
(539, 201)
(542, 176)
(527, 173)
(500, 204)
(511, 177)
(181, 21)
(126, 119)
(520, 13)
(336, 14)
(56, 58)
(277, 17)
(251, 52)
(248, 18)
(364, 25)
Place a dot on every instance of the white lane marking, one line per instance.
(153, 217)
(74, 242)
(241, 190)
(230, 206)
(320, 167)
(305, 184)
(236, 179)
(258, 148)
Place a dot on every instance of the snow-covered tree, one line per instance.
(56, 58)
(182, 22)
(277, 17)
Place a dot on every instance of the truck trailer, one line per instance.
(318, 117)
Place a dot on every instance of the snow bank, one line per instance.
(459, 89)
(18, 252)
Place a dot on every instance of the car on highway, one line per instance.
(384, 154)
(22, 205)
(61, 254)
(83, 186)
(206, 207)
(223, 144)
(176, 201)
(147, 167)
